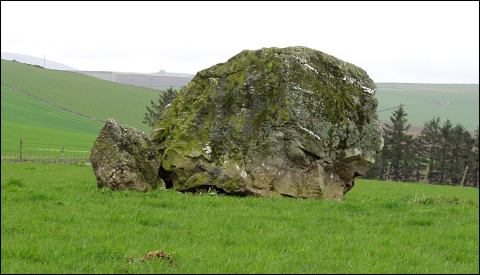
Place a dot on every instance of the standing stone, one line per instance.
(270, 122)
(125, 159)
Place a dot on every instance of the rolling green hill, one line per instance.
(43, 128)
(50, 109)
(96, 98)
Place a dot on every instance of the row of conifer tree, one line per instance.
(442, 153)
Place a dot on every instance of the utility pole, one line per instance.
(44, 62)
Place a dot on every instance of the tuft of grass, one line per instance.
(59, 222)
(15, 182)
(420, 199)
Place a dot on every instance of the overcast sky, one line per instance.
(430, 42)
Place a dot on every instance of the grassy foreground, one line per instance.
(55, 220)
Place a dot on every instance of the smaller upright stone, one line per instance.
(125, 159)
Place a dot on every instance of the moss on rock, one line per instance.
(263, 123)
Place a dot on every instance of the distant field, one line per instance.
(55, 220)
(458, 102)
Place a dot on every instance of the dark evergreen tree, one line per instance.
(445, 135)
(416, 162)
(461, 144)
(152, 115)
(474, 172)
(428, 148)
(397, 142)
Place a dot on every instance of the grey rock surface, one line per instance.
(125, 159)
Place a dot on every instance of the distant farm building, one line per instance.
(158, 81)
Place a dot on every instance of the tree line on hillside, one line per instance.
(442, 153)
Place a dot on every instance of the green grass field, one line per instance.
(55, 220)
(457, 102)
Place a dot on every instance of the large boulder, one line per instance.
(125, 159)
(270, 122)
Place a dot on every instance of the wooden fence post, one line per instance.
(388, 171)
(427, 172)
(21, 148)
(464, 176)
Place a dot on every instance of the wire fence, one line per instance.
(43, 152)
(46, 156)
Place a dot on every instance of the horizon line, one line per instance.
(193, 74)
